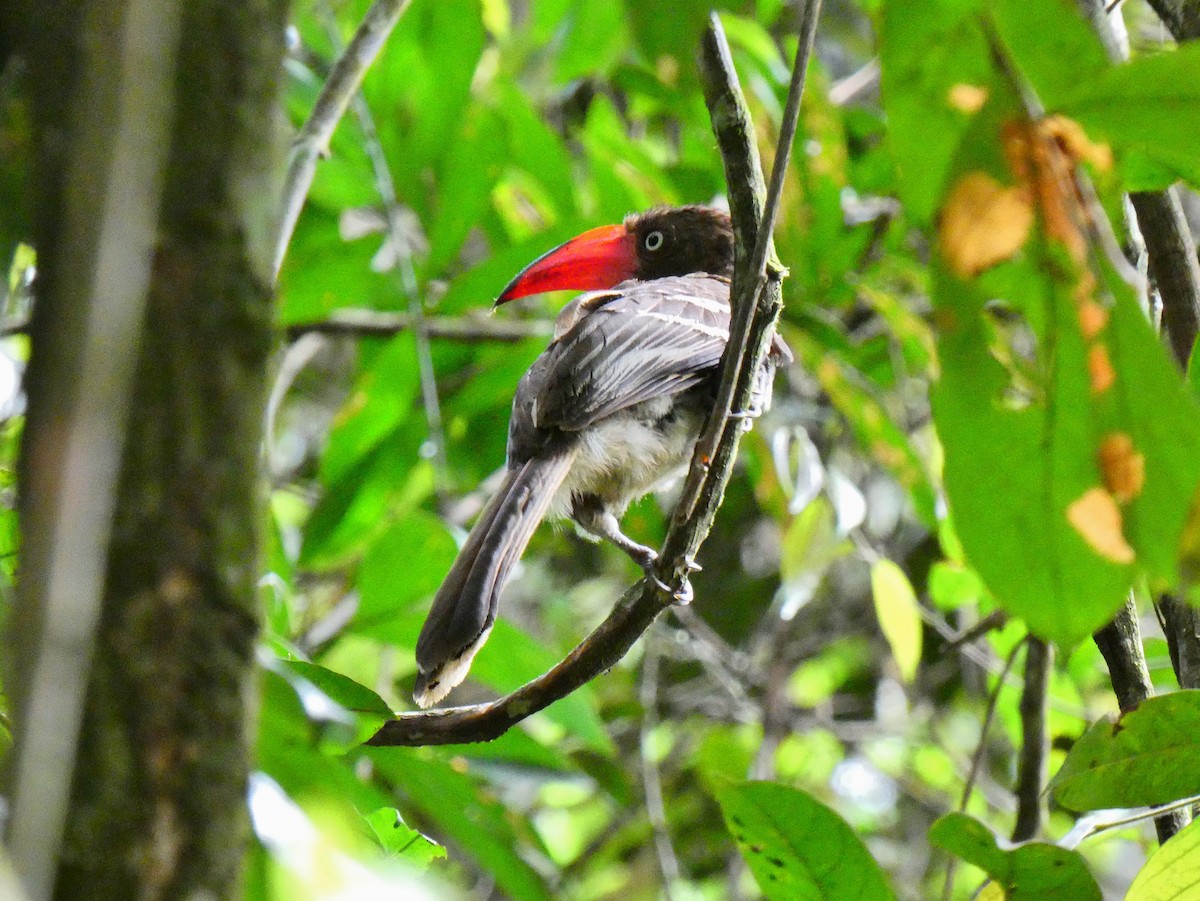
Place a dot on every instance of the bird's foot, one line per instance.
(643, 556)
(681, 594)
(747, 417)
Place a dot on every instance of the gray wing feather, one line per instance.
(644, 340)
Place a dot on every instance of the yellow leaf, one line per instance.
(983, 223)
(1097, 519)
(993, 891)
(899, 615)
(1172, 873)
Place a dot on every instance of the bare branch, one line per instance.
(1031, 766)
(1173, 265)
(358, 323)
(331, 105)
(758, 295)
(1120, 643)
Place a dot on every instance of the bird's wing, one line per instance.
(640, 341)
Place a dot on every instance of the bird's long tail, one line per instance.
(465, 606)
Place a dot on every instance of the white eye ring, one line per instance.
(654, 240)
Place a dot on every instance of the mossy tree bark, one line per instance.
(157, 804)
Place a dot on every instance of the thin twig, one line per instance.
(359, 323)
(1073, 840)
(644, 601)
(977, 758)
(656, 812)
(1031, 765)
(394, 235)
(340, 87)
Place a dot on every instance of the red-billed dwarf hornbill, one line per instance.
(609, 411)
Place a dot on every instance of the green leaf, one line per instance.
(1040, 36)
(340, 689)
(1173, 873)
(404, 565)
(381, 399)
(952, 585)
(467, 814)
(1150, 755)
(355, 510)
(473, 165)
(872, 425)
(596, 38)
(1063, 482)
(401, 840)
(899, 615)
(797, 848)
(419, 90)
(1148, 107)
(1034, 870)
(926, 49)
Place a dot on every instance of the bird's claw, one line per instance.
(682, 595)
(752, 413)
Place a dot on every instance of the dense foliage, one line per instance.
(981, 420)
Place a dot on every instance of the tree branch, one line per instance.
(1120, 643)
(1173, 265)
(340, 87)
(1031, 766)
(359, 323)
(394, 231)
(757, 292)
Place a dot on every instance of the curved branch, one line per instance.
(756, 299)
(331, 105)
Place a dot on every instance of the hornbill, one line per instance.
(609, 411)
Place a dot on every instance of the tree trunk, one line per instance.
(157, 804)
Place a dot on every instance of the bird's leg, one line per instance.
(596, 519)
(593, 517)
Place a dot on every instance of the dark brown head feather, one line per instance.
(693, 239)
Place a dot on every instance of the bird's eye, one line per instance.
(654, 240)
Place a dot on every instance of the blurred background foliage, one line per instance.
(815, 653)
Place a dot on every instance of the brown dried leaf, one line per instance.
(1097, 518)
(1074, 142)
(983, 223)
(1122, 467)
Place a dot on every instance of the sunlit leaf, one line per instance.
(400, 839)
(1173, 873)
(899, 615)
(797, 848)
(1147, 756)
(1034, 870)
